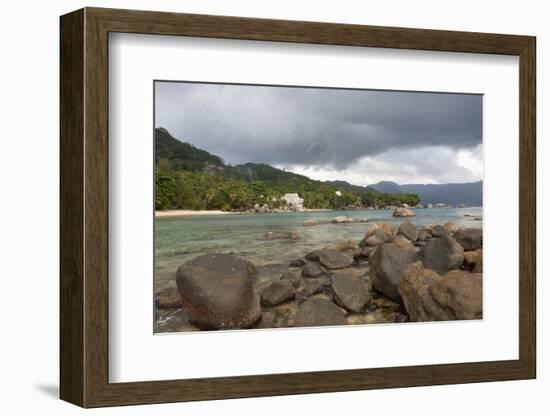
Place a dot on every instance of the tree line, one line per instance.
(178, 189)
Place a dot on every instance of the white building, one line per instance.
(294, 200)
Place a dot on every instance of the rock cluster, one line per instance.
(393, 274)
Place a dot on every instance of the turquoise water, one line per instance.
(178, 239)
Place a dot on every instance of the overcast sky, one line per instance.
(330, 134)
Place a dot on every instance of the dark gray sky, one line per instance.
(355, 135)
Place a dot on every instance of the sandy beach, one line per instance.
(188, 212)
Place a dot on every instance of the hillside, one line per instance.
(183, 156)
(470, 194)
(192, 178)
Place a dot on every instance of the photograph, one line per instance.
(299, 206)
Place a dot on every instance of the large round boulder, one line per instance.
(469, 238)
(319, 312)
(388, 264)
(217, 292)
(403, 212)
(442, 254)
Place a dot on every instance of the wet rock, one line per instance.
(319, 312)
(409, 230)
(388, 228)
(473, 260)
(217, 291)
(332, 259)
(373, 241)
(399, 318)
(313, 255)
(349, 247)
(278, 292)
(310, 223)
(275, 235)
(403, 212)
(342, 220)
(478, 268)
(413, 289)
(376, 235)
(349, 292)
(168, 298)
(312, 270)
(365, 252)
(403, 242)
(388, 265)
(292, 277)
(424, 234)
(469, 238)
(297, 263)
(310, 288)
(442, 254)
(460, 294)
(380, 301)
(439, 231)
(451, 227)
(429, 296)
(281, 316)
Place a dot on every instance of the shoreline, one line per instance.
(189, 212)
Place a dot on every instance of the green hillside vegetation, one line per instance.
(190, 178)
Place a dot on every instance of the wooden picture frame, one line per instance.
(84, 207)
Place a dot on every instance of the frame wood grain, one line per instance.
(84, 207)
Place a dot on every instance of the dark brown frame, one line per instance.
(84, 208)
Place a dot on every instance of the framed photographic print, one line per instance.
(255, 207)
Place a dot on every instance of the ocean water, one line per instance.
(178, 239)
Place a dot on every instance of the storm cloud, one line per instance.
(357, 135)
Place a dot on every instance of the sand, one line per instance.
(188, 212)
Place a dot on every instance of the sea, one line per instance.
(179, 239)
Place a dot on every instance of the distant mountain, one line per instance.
(470, 193)
(349, 186)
